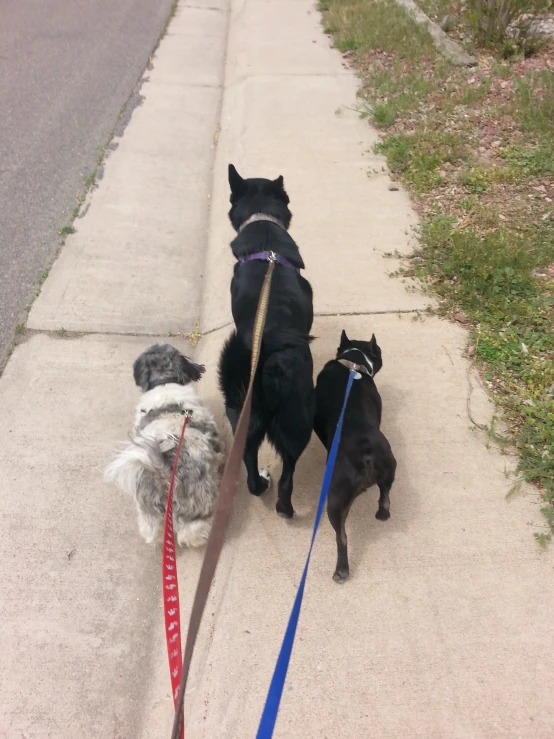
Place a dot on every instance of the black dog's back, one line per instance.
(290, 311)
(362, 413)
(364, 457)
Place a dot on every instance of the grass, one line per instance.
(476, 150)
(360, 25)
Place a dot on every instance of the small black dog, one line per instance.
(364, 457)
(283, 401)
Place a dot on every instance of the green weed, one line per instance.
(420, 156)
(376, 24)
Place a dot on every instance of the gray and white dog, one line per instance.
(143, 468)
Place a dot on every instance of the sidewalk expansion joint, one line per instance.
(63, 333)
(334, 314)
(399, 311)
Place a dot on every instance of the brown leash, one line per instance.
(222, 513)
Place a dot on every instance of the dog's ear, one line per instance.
(278, 186)
(236, 182)
(344, 340)
(189, 371)
(373, 341)
(141, 372)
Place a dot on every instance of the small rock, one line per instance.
(470, 351)
(460, 316)
(449, 22)
(393, 187)
(496, 144)
(442, 173)
(502, 218)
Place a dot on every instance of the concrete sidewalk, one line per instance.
(445, 627)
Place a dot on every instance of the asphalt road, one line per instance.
(66, 70)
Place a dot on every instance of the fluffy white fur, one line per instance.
(143, 467)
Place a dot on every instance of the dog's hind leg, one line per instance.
(385, 482)
(289, 431)
(150, 498)
(150, 526)
(338, 508)
(290, 436)
(383, 512)
(258, 481)
(284, 505)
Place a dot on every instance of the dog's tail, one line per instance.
(140, 455)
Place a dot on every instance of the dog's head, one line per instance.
(257, 195)
(369, 349)
(161, 364)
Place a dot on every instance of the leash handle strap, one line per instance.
(222, 512)
(271, 708)
(170, 585)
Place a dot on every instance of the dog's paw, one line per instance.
(341, 576)
(193, 533)
(149, 528)
(382, 514)
(285, 510)
(262, 484)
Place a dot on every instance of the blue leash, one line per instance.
(271, 708)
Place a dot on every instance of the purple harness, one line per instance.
(268, 256)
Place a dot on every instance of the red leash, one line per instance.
(170, 587)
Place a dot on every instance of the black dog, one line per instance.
(283, 402)
(364, 457)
